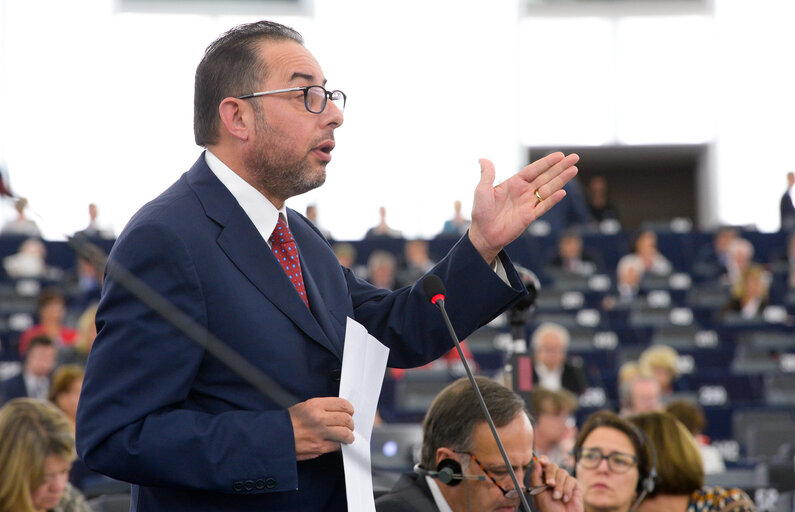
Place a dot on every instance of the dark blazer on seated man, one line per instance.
(410, 493)
(13, 387)
(158, 411)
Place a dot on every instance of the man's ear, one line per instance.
(237, 118)
(443, 453)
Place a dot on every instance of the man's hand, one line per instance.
(564, 493)
(502, 213)
(320, 425)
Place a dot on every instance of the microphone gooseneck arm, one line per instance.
(434, 289)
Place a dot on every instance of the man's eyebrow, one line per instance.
(304, 76)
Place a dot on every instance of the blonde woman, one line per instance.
(36, 452)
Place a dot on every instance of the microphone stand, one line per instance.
(438, 300)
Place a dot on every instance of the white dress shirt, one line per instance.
(438, 497)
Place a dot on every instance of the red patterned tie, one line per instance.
(283, 247)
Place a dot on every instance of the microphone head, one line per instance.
(433, 288)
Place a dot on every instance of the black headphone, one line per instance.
(448, 472)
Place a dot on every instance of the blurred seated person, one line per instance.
(83, 285)
(554, 425)
(34, 380)
(628, 371)
(20, 225)
(645, 247)
(659, 362)
(51, 312)
(613, 462)
(382, 229)
(381, 269)
(640, 394)
(750, 296)
(791, 260)
(86, 333)
(416, 262)
(629, 274)
(311, 214)
(599, 205)
(570, 257)
(714, 258)
(30, 262)
(680, 473)
(95, 229)
(741, 259)
(551, 369)
(458, 225)
(458, 442)
(37, 448)
(695, 421)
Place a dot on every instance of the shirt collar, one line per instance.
(257, 207)
(438, 497)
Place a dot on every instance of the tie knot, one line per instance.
(281, 234)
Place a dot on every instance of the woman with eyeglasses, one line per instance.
(680, 483)
(613, 464)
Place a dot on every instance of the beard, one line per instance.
(278, 171)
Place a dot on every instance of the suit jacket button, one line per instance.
(336, 375)
(237, 486)
(249, 485)
(260, 484)
(270, 483)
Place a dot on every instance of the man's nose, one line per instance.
(333, 115)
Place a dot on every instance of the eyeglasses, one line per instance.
(618, 462)
(315, 97)
(509, 493)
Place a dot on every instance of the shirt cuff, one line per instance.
(499, 268)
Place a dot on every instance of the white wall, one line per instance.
(96, 104)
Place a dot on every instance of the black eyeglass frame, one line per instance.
(509, 493)
(327, 95)
(609, 457)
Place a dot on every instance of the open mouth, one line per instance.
(323, 151)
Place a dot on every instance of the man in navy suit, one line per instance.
(158, 411)
(34, 380)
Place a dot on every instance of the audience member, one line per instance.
(457, 438)
(382, 229)
(791, 260)
(680, 472)
(30, 262)
(640, 394)
(83, 285)
(65, 390)
(311, 214)
(458, 225)
(381, 269)
(645, 247)
(95, 229)
(416, 262)
(37, 448)
(570, 257)
(629, 274)
(628, 371)
(787, 204)
(750, 296)
(659, 362)
(713, 259)
(86, 332)
(599, 205)
(554, 427)
(37, 365)
(741, 254)
(20, 225)
(552, 370)
(613, 463)
(51, 310)
(695, 421)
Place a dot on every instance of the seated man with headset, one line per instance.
(461, 468)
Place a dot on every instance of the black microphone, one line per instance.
(449, 474)
(435, 292)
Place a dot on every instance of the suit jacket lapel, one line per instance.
(242, 243)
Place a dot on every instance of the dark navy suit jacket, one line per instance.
(13, 387)
(157, 411)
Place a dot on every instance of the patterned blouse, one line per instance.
(72, 501)
(718, 499)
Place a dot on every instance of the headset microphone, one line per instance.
(448, 472)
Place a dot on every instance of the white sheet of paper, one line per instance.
(363, 367)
